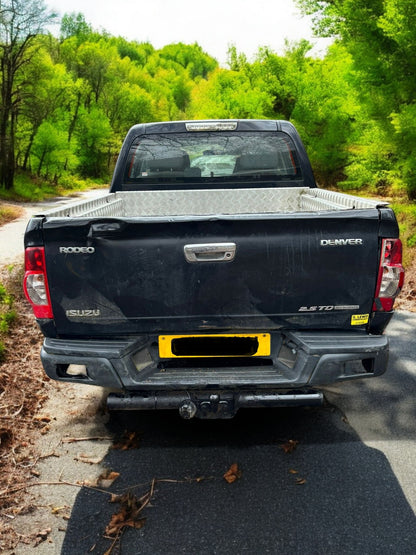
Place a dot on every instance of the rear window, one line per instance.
(208, 157)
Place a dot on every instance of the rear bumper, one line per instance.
(297, 360)
(213, 404)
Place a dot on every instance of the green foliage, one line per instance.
(6, 320)
(355, 109)
(325, 111)
(74, 25)
(7, 316)
(88, 92)
(229, 94)
(94, 139)
(20, 22)
(5, 298)
(404, 124)
(191, 58)
(26, 188)
(381, 38)
(136, 52)
(51, 151)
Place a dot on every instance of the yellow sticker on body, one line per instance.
(359, 319)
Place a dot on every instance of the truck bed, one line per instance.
(170, 203)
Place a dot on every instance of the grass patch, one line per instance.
(27, 188)
(7, 316)
(8, 213)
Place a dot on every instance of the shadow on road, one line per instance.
(384, 409)
(348, 499)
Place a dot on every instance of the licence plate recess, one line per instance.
(214, 345)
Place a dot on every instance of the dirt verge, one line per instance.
(50, 433)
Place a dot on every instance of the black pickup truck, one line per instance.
(214, 275)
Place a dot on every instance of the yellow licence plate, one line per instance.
(214, 345)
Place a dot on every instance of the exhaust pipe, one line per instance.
(251, 400)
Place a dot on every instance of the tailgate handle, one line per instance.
(210, 252)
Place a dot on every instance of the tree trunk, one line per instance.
(42, 159)
(6, 137)
(6, 161)
(29, 148)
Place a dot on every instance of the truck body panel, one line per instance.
(120, 276)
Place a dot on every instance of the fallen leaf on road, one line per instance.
(290, 446)
(38, 537)
(106, 479)
(300, 481)
(292, 471)
(57, 510)
(129, 513)
(88, 458)
(42, 418)
(121, 520)
(232, 474)
(129, 440)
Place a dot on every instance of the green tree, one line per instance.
(190, 57)
(48, 87)
(52, 151)
(325, 112)
(381, 37)
(20, 22)
(138, 52)
(94, 61)
(229, 94)
(74, 25)
(94, 136)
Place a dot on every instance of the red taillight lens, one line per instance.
(390, 276)
(35, 283)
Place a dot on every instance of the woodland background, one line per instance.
(68, 101)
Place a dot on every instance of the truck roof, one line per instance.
(213, 125)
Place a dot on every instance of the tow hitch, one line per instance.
(210, 405)
(213, 406)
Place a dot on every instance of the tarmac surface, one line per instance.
(349, 486)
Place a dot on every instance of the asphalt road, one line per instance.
(349, 486)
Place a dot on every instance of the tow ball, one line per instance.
(187, 410)
(212, 407)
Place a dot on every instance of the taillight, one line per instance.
(35, 282)
(390, 275)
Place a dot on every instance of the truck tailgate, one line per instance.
(121, 276)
